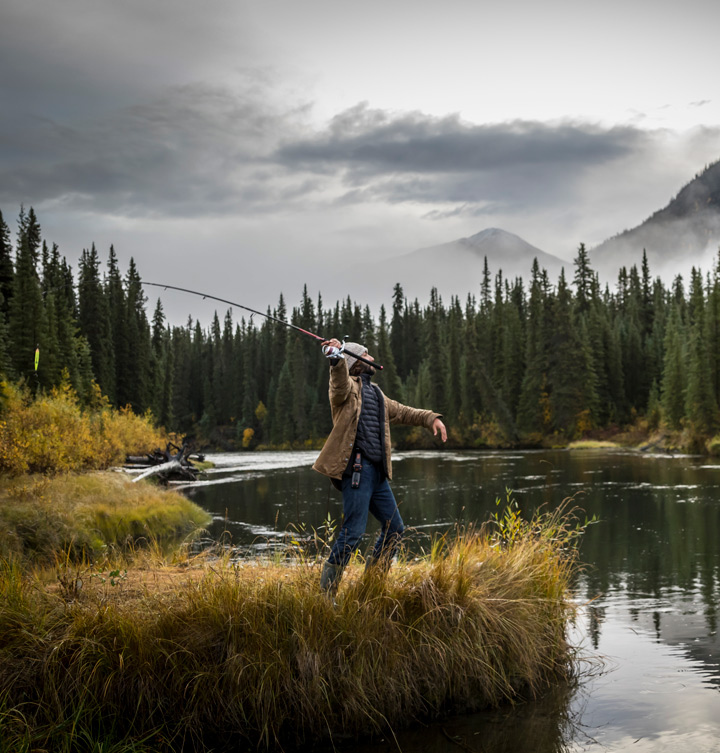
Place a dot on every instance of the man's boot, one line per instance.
(330, 578)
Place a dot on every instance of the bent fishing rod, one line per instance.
(329, 351)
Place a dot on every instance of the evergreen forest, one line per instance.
(518, 363)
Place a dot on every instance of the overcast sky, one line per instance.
(238, 146)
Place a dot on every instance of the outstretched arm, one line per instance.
(404, 414)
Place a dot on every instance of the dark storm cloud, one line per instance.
(74, 58)
(198, 150)
(376, 142)
(193, 150)
(412, 157)
(101, 118)
(105, 107)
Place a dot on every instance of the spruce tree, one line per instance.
(398, 339)
(94, 321)
(512, 349)
(700, 402)
(7, 271)
(571, 377)
(161, 359)
(182, 410)
(583, 279)
(673, 380)
(114, 290)
(138, 373)
(387, 379)
(453, 390)
(26, 314)
(4, 343)
(435, 362)
(248, 345)
(531, 402)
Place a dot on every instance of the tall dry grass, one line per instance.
(237, 656)
(89, 516)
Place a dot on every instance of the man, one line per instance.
(356, 456)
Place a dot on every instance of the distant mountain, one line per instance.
(686, 232)
(454, 268)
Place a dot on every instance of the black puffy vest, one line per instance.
(371, 424)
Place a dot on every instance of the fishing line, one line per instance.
(319, 338)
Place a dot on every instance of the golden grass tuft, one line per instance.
(78, 516)
(593, 444)
(224, 655)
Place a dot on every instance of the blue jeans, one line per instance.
(375, 496)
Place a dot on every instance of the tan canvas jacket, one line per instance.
(345, 403)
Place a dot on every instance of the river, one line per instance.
(649, 589)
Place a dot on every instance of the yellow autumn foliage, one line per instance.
(54, 433)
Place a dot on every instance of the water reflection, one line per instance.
(650, 585)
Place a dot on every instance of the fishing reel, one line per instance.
(330, 351)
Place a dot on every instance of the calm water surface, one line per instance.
(650, 589)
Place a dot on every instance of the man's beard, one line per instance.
(360, 367)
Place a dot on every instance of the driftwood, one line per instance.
(165, 464)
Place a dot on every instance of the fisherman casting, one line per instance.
(356, 456)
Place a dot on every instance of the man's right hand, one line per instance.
(331, 348)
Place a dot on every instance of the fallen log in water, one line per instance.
(166, 465)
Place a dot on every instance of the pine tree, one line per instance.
(282, 427)
(673, 381)
(712, 323)
(512, 348)
(26, 314)
(7, 271)
(161, 363)
(485, 289)
(531, 403)
(94, 321)
(138, 373)
(182, 408)
(700, 402)
(248, 359)
(114, 290)
(387, 379)
(571, 377)
(86, 378)
(453, 389)
(4, 343)
(471, 405)
(435, 361)
(398, 340)
(164, 411)
(583, 279)
(648, 309)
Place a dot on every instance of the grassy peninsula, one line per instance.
(148, 653)
(115, 637)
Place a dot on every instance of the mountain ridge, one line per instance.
(684, 233)
(688, 225)
(454, 268)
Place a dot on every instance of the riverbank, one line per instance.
(636, 436)
(149, 652)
